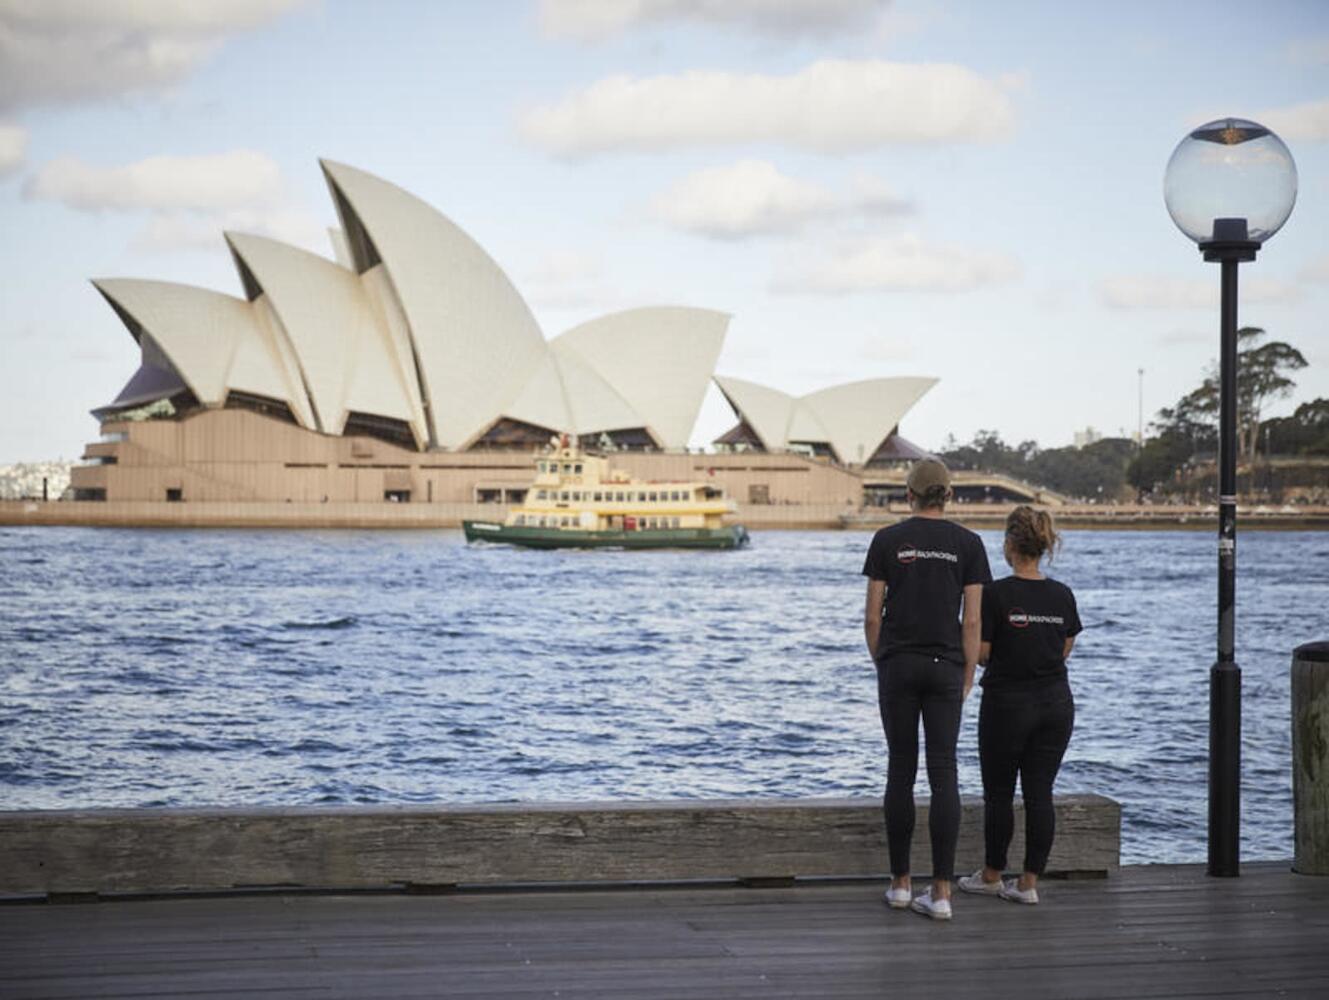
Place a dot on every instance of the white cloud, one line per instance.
(831, 106)
(752, 197)
(236, 179)
(886, 349)
(1308, 122)
(180, 231)
(897, 264)
(13, 147)
(65, 51)
(565, 279)
(1316, 270)
(1309, 50)
(590, 20)
(190, 200)
(560, 267)
(1184, 337)
(1142, 291)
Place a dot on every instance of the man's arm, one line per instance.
(872, 614)
(971, 632)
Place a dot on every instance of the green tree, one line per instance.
(1305, 432)
(1263, 372)
(1262, 376)
(1191, 425)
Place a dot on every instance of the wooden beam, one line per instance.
(164, 850)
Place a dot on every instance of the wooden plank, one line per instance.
(1150, 932)
(142, 851)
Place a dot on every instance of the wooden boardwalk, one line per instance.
(1152, 931)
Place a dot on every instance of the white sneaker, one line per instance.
(937, 909)
(975, 883)
(897, 899)
(1010, 889)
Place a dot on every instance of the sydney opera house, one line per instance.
(410, 369)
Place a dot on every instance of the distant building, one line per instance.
(1086, 437)
(353, 379)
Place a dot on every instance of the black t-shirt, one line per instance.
(926, 563)
(1028, 623)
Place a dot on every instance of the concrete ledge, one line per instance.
(166, 850)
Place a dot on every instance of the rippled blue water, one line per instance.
(165, 668)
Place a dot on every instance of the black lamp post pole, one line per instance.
(1229, 247)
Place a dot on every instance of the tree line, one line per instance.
(1178, 454)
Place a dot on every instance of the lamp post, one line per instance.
(1229, 186)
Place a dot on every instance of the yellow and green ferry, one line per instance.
(578, 501)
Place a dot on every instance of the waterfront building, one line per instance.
(410, 369)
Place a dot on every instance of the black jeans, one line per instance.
(1022, 732)
(910, 686)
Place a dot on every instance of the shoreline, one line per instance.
(756, 517)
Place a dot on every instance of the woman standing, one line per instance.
(920, 572)
(1029, 626)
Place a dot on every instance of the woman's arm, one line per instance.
(971, 630)
(872, 614)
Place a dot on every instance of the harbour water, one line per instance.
(180, 668)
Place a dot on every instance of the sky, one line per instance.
(968, 191)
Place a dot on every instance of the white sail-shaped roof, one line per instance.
(217, 343)
(416, 323)
(767, 411)
(853, 418)
(566, 394)
(475, 339)
(857, 416)
(542, 401)
(346, 356)
(659, 359)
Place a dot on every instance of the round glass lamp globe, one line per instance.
(1234, 172)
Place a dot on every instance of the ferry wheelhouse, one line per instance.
(578, 501)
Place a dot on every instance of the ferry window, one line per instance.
(563, 495)
(521, 518)
(618, 497)
(641, 497)
(565, 522)
(674, 495)
(577, 468)
(598, 497)
(544, 467)
(653, 497)
(542, 495)
(567, 467)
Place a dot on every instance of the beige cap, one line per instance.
(927, 474)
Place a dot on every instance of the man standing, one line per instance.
(920, 573)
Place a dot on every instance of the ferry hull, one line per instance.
(728, 537)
